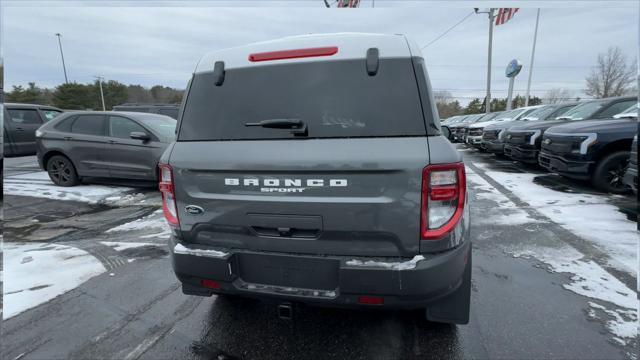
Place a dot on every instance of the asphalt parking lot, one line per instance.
(87, 275)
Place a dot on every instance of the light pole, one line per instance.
(533, 53)
(64, 68)
(99, 78)
(491, 17)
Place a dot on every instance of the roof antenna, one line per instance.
(372, 61)
(218, 72)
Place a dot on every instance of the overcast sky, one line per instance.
(161, 45)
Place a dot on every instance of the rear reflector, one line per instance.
(371, 300)
(293, 54)
(211, 284)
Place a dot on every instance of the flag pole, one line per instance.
(488, 96)
(533, 52)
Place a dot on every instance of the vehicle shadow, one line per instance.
(246, 328)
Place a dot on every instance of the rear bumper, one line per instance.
(525, 155)
(322, 280)
(558, 164)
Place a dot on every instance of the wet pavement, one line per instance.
(521, 307)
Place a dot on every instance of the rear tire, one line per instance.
(62, 172)
(609, 173)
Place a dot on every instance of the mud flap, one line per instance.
(454, 308)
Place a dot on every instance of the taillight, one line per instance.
(168, 195)
(443, 196)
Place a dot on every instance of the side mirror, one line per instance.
(446, 132)
(139, 135)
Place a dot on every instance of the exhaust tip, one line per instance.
(285, 311)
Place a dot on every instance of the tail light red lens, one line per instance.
(169, 207)
(211, 284)
(370, 300)
(293, 54)
(443, 196)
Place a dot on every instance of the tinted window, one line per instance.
(161, 124)
(333, 98)
(585, 110)
(65, 124)
(131, 109)
(169, 112)
(616, 108)
(89, 125)
(122, 127)
(24, 116)
(50, 114)
(560, 111)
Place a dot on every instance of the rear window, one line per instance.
(333, 98)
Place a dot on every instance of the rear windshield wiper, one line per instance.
(299, 128)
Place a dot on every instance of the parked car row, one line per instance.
(592, 140)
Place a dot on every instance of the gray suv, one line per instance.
(103, 144)
(313, 169)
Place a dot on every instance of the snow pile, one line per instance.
(504, 213)
(154, 221)
(590, 217)
(406, 265)
(182, 250)
(39, 185)
(37, 273)
(591, 280)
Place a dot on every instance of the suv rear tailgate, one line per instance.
(314, 196)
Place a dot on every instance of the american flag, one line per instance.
(505, 14)
(348, 3)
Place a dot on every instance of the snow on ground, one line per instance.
(38, 184)
(505, 212)
(617, 302)
(37, 273)
(120, 246)
(589, 216)
(155, 221)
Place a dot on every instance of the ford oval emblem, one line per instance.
(194, 210)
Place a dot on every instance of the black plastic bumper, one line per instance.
(558, 164)
(525, 155)
(322, 280)
(494, 147)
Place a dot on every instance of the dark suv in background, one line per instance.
(596, 150)
(103, 144)
(523, 142)
(278, 188)
(493, 136)
(170, 110)
(20, 124)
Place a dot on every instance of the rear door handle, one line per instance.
(68, 138)
(113, 142)
(19, 129)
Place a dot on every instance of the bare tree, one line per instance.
(611, 76)
(557, 96)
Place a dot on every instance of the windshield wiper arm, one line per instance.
(299, 128)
